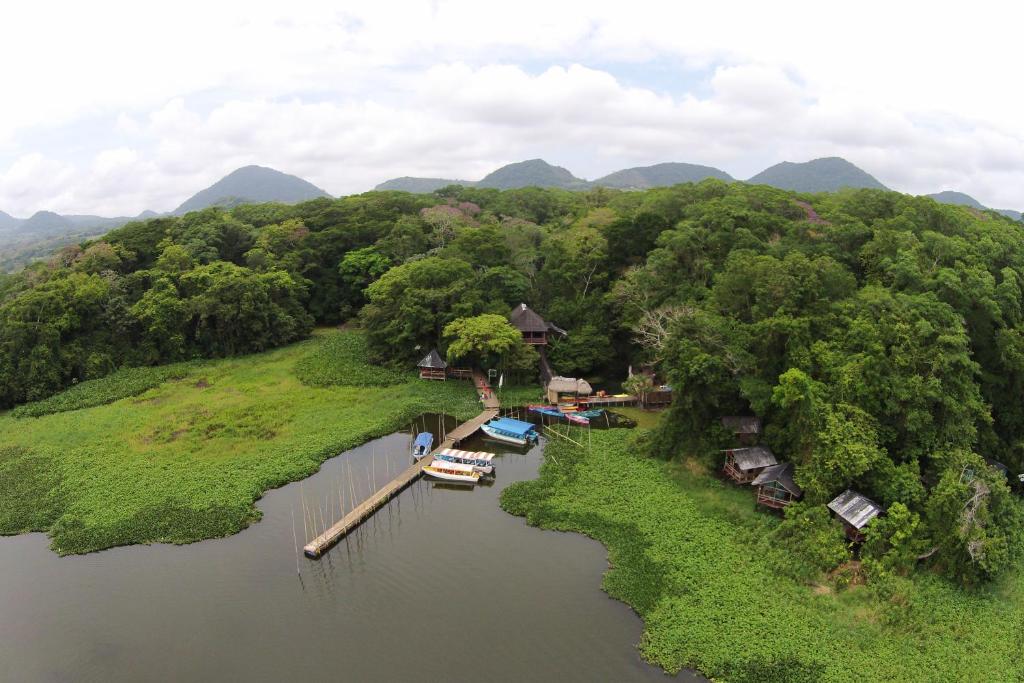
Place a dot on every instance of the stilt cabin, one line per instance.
(567, 390)
(776, 487)
(854, 511)
(433, 366)
(742, 465)
(746, 428)
(535, 329)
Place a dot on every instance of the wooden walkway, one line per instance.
(360, 513)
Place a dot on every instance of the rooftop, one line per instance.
(782, 474)
(753, 457)
(854, 508)
(432, 360)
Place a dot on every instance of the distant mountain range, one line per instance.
(249, 184)
(961, 199)
(253, 184)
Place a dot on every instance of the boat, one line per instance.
(478, 460)
(452, 471)
(554, 411)
(422, 445)
(510, 431)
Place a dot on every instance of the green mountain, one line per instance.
(660, 175)
(420, 185)
(961, 199)
(252, 184)
(532, 173)
(820, 175)
(8, 222)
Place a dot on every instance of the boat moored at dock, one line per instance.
(424, 442)
(452, 471)
(478, 460)
(510, 431)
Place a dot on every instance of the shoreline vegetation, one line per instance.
(690, 554)
(124, 460)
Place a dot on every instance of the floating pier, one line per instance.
(319, 545)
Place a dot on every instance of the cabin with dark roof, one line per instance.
(776, 487)
(433, 366)
(533, 327)
(742, 465)
(854, 510)
(746, 428)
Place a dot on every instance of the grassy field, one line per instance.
(182, 456)
(688, 553)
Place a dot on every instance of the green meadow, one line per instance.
(694, 558)
(180, 454)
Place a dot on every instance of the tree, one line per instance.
(358, 269)
(483, 338)
(410, 305)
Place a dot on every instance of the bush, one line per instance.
(97, 392)
(340, 360)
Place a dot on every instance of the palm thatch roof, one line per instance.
(525, 319)
(433, 361)
(570, 385)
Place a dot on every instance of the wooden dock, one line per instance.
(315, 548)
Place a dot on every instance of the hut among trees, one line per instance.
(746, 428)
(742, 465)
(567, 390)
(534, 328)
(854, 510)
(433, 366)
(776, 487)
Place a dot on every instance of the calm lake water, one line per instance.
(441, 585)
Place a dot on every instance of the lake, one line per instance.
(440, 585)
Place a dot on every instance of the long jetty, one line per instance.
(360, 513)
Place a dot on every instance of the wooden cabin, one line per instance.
(854, 511)
(776, 487)
(535, 329)
(746, 428)
(433, 366)
(562, 390)
(742, 465)
(659, 397)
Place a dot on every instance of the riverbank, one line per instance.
(690, 555)
(185, 460)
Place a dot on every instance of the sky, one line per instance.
(113, 108)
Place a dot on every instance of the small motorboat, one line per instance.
(452, 471)
(422, 445)
(478, 460)
(554, 411)
(510, 431)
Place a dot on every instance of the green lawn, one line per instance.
(186, 459)
(688, 553)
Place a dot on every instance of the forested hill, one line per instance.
(818, 175)
(252, 184)
(880, 336)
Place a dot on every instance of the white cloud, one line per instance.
(922, 96)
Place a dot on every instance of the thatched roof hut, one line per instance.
(432, 366)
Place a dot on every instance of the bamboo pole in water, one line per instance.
(296, 542)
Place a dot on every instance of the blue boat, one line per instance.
(422, 445)
(510, 431)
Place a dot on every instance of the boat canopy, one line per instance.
(454, 466)
(424, 439)
(507, 424)
(468, 455)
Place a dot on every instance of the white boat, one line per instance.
(510, 431)
(452, 471)
(478, 460)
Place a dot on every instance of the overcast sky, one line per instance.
(112, 108)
